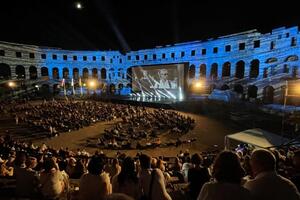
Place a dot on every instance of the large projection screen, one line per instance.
(167, 81)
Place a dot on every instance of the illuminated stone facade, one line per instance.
(254, 65)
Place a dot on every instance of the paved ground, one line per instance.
(209, 134)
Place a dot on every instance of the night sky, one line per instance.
(136, 24)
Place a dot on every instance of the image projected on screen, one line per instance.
(158, 80)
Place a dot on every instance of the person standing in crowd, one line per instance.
(267, 184)
(126, 181)
(52, 181)
(197, 176)
(96, 183)
(227, 173)
(152, 181)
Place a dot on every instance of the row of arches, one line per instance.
(252, 91)
(5, 72)
(226, 70)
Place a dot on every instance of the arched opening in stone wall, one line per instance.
(254, 68)
(20, 72)
(202, 71)
(32, 73)
(85, 73)
(103, 73)
(5, 72)
(226, 69)
(129, 74)
(268, 94)
(76, 73)
(55, 73)
(252, 91)
(291, 58)
(225, 87)
(95, 73)
(214, 71)
(65, 73)
(271, 60)
(240, 69)
(192, 72)
(238, 88)
(44, 71)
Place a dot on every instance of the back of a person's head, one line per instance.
(128, 171)
(128, 164)
(21, 158)
(227, 168)
(49, 164)
(263, 160)
(96, 165)
(145, 161)
(196, 159)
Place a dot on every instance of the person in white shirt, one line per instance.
(267, 184)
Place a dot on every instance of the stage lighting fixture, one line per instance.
(11, 84)
(78, 5)
(92, 83)
(198, 84)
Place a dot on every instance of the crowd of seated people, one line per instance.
(140, 124)
(54, 117)
(45, 173)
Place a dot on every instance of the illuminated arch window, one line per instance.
(240, 69)
(103, 73)
(254, 68)
(291, 58)
(202, 71)
(44, 71)
(20, 72)
(214, 71)
(226, 69)
(192, 72)
(32, 72)
(5, 72)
